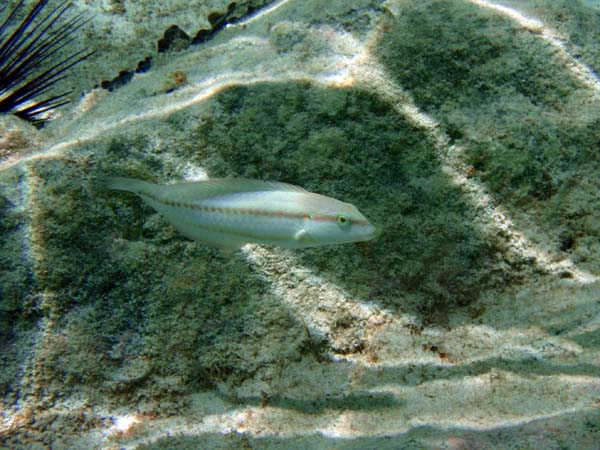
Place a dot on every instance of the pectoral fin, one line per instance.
(301, 235)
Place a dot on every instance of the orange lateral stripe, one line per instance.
(247, 211)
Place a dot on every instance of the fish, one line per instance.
(231, 212)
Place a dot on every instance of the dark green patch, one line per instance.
(124, 288)
(16, 301)
(499, 91)
(353, 146)
(582, 26)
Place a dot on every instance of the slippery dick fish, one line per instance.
(229, 213)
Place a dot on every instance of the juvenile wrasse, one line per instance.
(229, 213)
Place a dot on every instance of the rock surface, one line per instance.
(467, 131)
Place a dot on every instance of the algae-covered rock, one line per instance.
(466, 132)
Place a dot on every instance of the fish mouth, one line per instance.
(371, 233)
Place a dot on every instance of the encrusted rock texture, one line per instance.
(467, 131)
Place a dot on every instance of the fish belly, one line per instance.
(232, 221)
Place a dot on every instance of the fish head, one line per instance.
(331, 222)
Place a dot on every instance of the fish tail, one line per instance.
(128, 184)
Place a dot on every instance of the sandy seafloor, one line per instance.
(467, 131)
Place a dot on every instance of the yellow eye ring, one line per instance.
(343, 220)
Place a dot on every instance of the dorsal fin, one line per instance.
(222, 186)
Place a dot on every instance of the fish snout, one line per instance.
(370, 232)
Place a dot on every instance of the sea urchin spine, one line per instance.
(26, 68)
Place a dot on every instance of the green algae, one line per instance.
(19, 305)
(15, 277)
(135, 314)
(351, 145)
(109, 256)
(529, 129)
(498, 90)
(578, 23)
(115, 268)
(112, 273)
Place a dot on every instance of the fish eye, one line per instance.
(343, 220)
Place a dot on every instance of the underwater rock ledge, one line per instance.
(466, 134)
